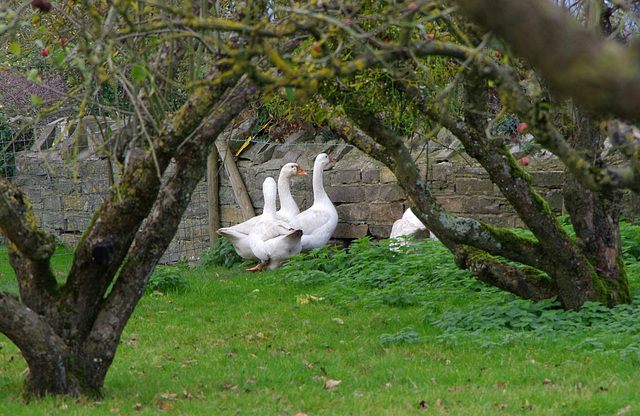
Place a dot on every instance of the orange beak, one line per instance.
(331, 160)
(299, 171)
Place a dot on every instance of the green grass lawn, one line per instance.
(362, 333)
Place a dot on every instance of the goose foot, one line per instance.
(257, 268)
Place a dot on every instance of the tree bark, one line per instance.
(69, 335)
(149, 245)
(556, 44)
(595, 218)
(562, 267)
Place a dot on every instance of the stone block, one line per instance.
(386, 213)
(451, 204)
(338, 152)
(499, 221)
(450, 152)
(555, 199)
(371, 176)
(71, 187)
(196, 211)
(386, 176)
(469, 186)
(263, 153)
(226, 195)
(341, 177)
(74, 202)
(445, 137)
(193, 229)
(354, 212)
(347, 230)
(380, 230)
(92, 169)
(96, 185)
(548, 179)
(384, 193)
(77, 222)
(346, 194)
(230, 215)
(69, 239)
(255, 196)
(288, 154)
(472, 172)
(441, 171)
(479, 205)
(260, 177)
(52, 204)
(92, 203)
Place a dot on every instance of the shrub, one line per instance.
(221, 253)
(166, 280)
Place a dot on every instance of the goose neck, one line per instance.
(318, 185)
(284, 193)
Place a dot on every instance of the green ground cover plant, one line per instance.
(362, 330)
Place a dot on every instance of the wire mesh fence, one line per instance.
(67, 182)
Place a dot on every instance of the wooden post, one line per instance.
(213, 184)
(239, 190)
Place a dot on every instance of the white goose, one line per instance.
(239, 233)
(272, 240)
(409, 226)
(319, 221)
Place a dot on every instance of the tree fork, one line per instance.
(100, 347)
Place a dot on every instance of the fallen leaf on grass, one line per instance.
(137, 406)
(130, 341)
(624, 410)
(165, 406)
(338, 321)
(438, 402)
(305, 299)
(167, 395)
(332, 384)
(423, 405)
(546, 381)
(228, 386)
(499, 385)
(457, 388)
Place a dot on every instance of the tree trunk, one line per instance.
(595, 218)
(69, 335)
(552, 263)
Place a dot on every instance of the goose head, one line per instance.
(322, 160)
(291, 169)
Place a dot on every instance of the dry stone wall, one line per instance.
(66, 194)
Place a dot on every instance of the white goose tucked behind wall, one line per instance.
(272, 240)
(319, 221)
(239, 233)
(407, 228)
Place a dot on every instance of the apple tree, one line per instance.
(176, 76)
